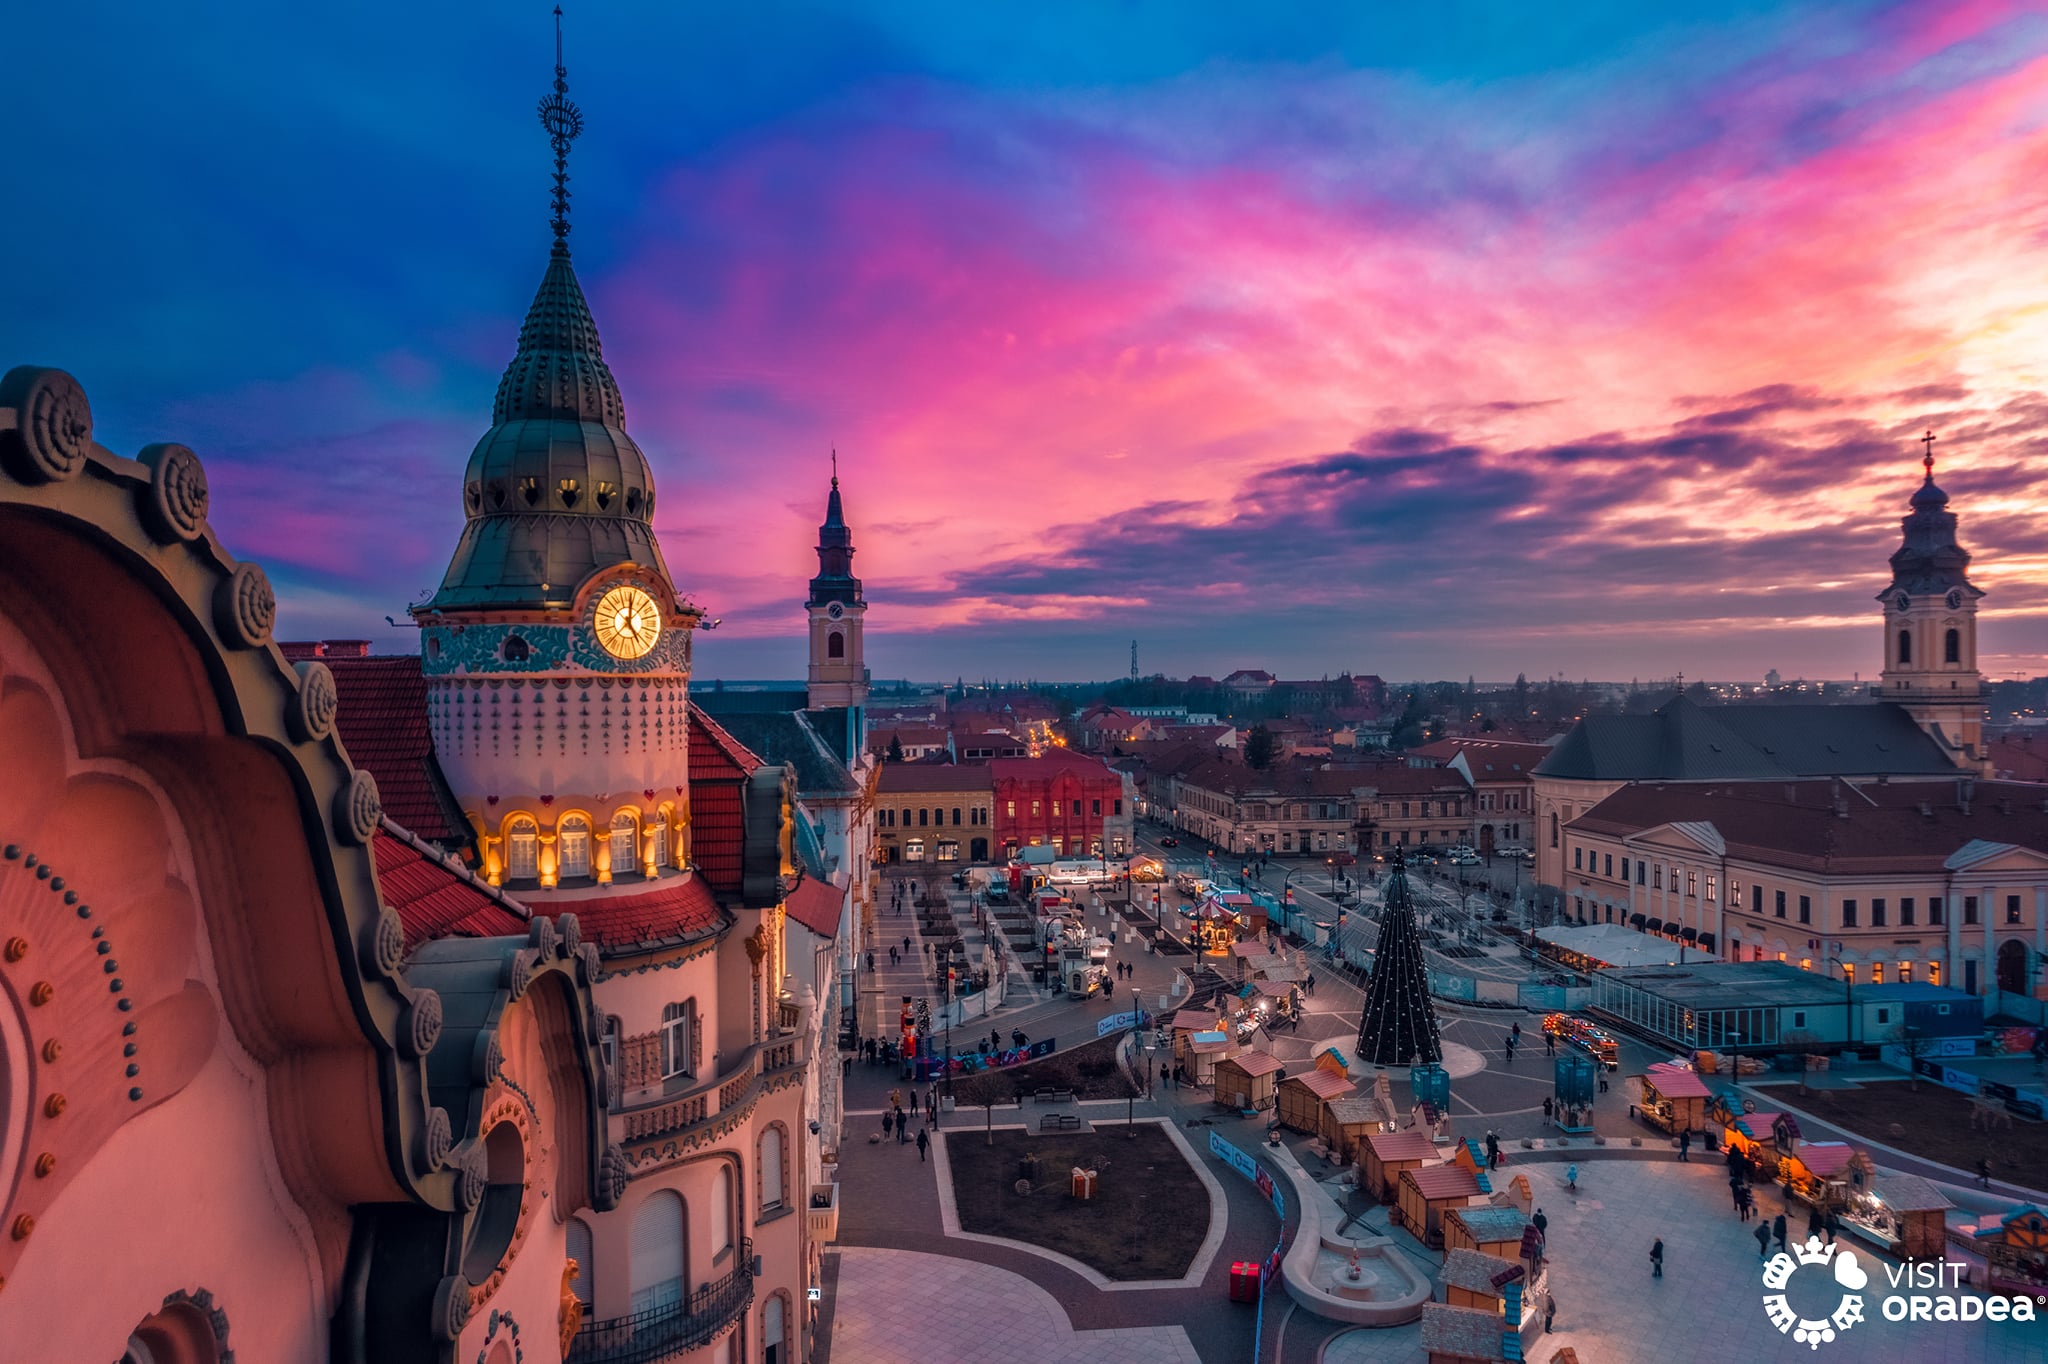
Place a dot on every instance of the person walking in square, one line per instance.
(1815, 1224)
(1657, 1258)
(1542, 1225)
(1492, 1151)
(1763, 1240)
(1735, 1197)
(1550, 1044)
(1778, 1230)
(923, 1144)
(1549, 1314)
(1685, 1147)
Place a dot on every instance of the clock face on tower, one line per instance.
(1903, 601)
(628, 623)
(835, 610)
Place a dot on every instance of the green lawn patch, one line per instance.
(1149, 1215)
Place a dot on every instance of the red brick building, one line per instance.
(1077, 805)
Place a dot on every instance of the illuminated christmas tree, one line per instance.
(1399, 1023)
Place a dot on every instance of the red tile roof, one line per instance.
(1324, 1084)
(1442, 1181)
(719, 768)
(909, 778)
(1256, 1063)
(1390, 1146)
(437, 900)
(816, 904)
(383, 725)
(683, 907)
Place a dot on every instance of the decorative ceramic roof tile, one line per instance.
(383, 724)
(435, 896)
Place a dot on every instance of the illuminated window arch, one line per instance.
(625, 844)
(657, 841)
(575, 845)
(835, 645)
(522, 849)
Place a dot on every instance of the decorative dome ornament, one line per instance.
(564, 122)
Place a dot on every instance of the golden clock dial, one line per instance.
(628, 623)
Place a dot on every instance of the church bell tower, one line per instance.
(839, 674)
(1930, 628)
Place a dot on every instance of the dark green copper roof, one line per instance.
(556, 490)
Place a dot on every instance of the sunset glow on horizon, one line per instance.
(1303, 341)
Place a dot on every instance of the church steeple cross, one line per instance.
(1928, 460)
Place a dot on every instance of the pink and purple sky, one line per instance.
(1483, 339)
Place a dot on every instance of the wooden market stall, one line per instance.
(1494, 1229)
(1329, 1056)
(1348, 1120)
(1816, 1172)
(1246, 1080)
(1204, 1050)
(1750, 1133)
(1473, 1278)
(1302, 1099)
(1902, 1215)
(1424, 1195)
(2018, 1255)
(1386, 1154)
(1184, 1025)
(1674, 1099)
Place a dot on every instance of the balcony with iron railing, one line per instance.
(694, 1320)
(736, 1088)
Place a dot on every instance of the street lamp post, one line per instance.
(1131, 1104)
(1333, 873)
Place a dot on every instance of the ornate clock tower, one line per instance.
(839, 675)
(556, 651)
(1930, 628)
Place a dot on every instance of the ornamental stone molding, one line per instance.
(51, 435)
(243, 744)
(175, 503)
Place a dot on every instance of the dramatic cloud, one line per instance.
(1598, 344)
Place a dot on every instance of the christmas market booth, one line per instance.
(1494, 1229)
(1246, 1081)
(1348, 1120)
(1423, 1196)
(1386, 1154)
(1185, 1026)
(1815, 1172)
(1204, 1050)
(1902, 1215)
(2018, 1255)
(1674, 1099)
(1750, 1133)
(1303, 1099)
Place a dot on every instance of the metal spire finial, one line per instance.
(564, 122)
(1928, 460)
(835, 466)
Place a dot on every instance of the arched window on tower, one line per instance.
(575, 835)
(1905, 647)
(521, 848)
(1952, 647)
(625, 845)
(835, 645)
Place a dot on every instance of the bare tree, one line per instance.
(1915, 1043)
(1805, 1046)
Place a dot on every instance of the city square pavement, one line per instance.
(1708, 1305)
(895, 1265)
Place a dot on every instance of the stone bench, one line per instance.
(1060, 1122)
(1054, 1096)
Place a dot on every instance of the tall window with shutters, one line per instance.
(770, 1161)
(660, 1253)
(678, 1040)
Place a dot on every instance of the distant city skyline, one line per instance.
(1595, 344)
